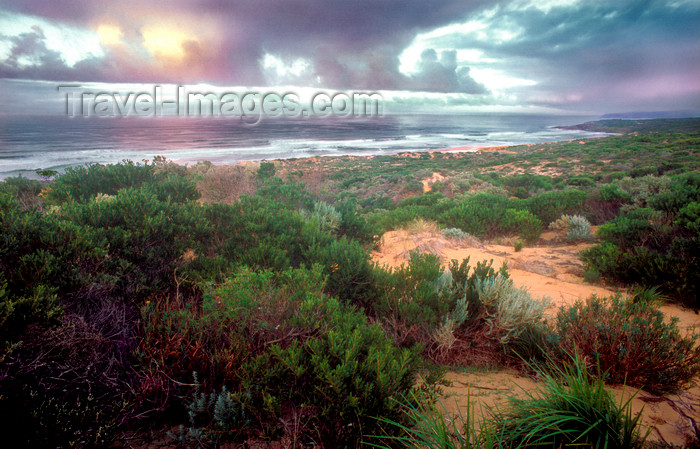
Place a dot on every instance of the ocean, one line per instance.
(56, 142)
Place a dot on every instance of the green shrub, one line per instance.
(349, 375)
(522, 185)
(384, 221)
(259, 232)
(628, 229)
(18, 313)
(413, 186)
(427, 199)
(613, 192)
(291, 194)
(266, 170)
(146, 237)
(550, 205)
(481, 214)
(592, 276)
(280, 347)
(176, 189)
(422, 303)
(689, 217)
(683, 189)
(581, 181)
(637, 191)
(84, 182)
(353, 225)
(518, 245)
(411, 294)
(523, 223)
(630, 342)
(652, 247)
(48, 252)
(349, 271)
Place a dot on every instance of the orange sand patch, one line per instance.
(484, 391)
(500, 149)
(428, 182)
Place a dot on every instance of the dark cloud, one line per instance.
(350, 44)
(442, 74)
(30, 59)
(586, 54)
(594, 53)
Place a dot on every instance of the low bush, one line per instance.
(630, 342)
(518, 245)
(549, 206)
(480, 214)
(526, 184)
(352, 224)
(523, 223)
(146, 236)
(214, 417)
(348, 269)
(574, 227)
(513, 315)
(422, 303)
(655, 245)
(454, 233)
(648, 252)
(344, 379)
(283, 350)
(326, 217)
(84, 182)
(605, 203)
(412, 300)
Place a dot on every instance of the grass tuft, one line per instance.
(571, 408)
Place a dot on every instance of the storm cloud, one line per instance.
(568, 54)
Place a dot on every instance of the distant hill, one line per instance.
(652, 115)
(641, 126)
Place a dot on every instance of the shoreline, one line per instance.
(468, 149)
(504, 149)
(402, 153)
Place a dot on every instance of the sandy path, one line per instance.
(554, 270)
(428, 182)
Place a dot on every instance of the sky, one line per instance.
(529, 56)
